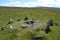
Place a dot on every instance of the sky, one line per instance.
(30, 3)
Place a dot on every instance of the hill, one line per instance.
(42, 14)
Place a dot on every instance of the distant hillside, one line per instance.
(47, 8)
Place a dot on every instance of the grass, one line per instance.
(23, 34)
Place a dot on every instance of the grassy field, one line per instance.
(33, 13)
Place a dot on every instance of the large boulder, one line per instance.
(38, 37)
(23, 25)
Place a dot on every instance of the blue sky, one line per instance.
(5, 1)
(30, 3)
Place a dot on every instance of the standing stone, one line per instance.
(50, 22)
(10, 21)
(26, 18)
(2, 28)
(47, 30)
(11, 27)
(18, 20)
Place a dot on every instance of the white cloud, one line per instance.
(45, 3)
(12, 4)
(30, 4)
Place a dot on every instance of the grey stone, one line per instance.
(38, 37)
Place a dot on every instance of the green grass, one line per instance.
(23, 34)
